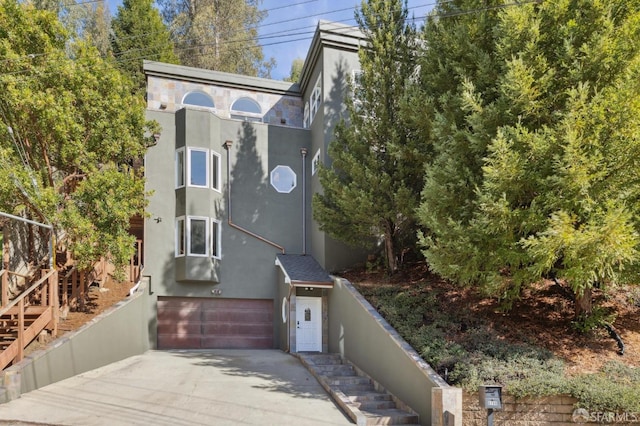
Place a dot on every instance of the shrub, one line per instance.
(479, 356)
(614, 388)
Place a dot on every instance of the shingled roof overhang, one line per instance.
(303, 271)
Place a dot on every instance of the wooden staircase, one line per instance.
(24, 318)
(362, 399)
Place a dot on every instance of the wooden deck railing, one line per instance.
(44, 315)
(37, 308)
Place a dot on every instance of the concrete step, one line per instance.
(355, 393)
(323, 359)
(389, 417)
(347, 380)
(369, 395)
(335, 370)
(374, 405)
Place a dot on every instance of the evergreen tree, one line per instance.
(69, 132)
(372, 187)
(553, 141)
(139, 33)
(296, 70)
(220, 35)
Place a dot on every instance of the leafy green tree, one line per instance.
(139, 33)
(220, 35)
(296, 70)
(70, 132)
(550, 188)
(89, 21)
(373, 185)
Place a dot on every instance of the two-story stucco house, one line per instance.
(234, 256)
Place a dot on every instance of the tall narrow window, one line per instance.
(356, 90)
(180, 169)
(198, 167)
(180, 237)
(305, 122)
(215, 170)
(215, 238)
(316, 98)
(315, 163)
(197, 233)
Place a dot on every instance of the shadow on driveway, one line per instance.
(215, 387)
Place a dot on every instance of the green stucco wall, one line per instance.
(114, 335)
(246, 268)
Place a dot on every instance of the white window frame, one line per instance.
(217, 225)
(275, 174)
(206, 236)
(238, 114)
(315, 162)
(181, 169)
(183, 224)
(192, 105)
(356, 76)
(181, 240)
(316, 98)
(207, 178)
(216, 172)
(305, 120)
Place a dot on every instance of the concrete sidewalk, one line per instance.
(216, 387)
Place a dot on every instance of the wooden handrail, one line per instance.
(4, 286)
(25, 293)
(47, 316)
(20, 275)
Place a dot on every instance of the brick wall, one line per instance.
(553, 410)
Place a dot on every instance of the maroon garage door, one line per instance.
(194, 323)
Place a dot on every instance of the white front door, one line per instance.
(308, 324)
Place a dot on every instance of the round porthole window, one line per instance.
(283, 179)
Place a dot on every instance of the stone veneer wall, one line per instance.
(553, 410)
(275, 108)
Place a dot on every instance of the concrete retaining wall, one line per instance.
(360, 334)
(116, 334)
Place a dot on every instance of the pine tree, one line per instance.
(139, 33)
(554, 141)
(372, 187)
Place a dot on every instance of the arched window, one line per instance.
(200, 99)
(246, 109)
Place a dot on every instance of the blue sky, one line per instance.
(286, 32)
(299, 18)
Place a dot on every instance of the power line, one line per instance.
(287, 33)
(33, 55)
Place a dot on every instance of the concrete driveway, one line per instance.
(216, 387)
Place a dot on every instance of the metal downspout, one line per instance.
(303, 152)
(227, 146)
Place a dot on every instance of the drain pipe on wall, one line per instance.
(303, 152)
(227, 146)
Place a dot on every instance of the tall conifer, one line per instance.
(371, 189)
(138, 34)
(538, 137)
